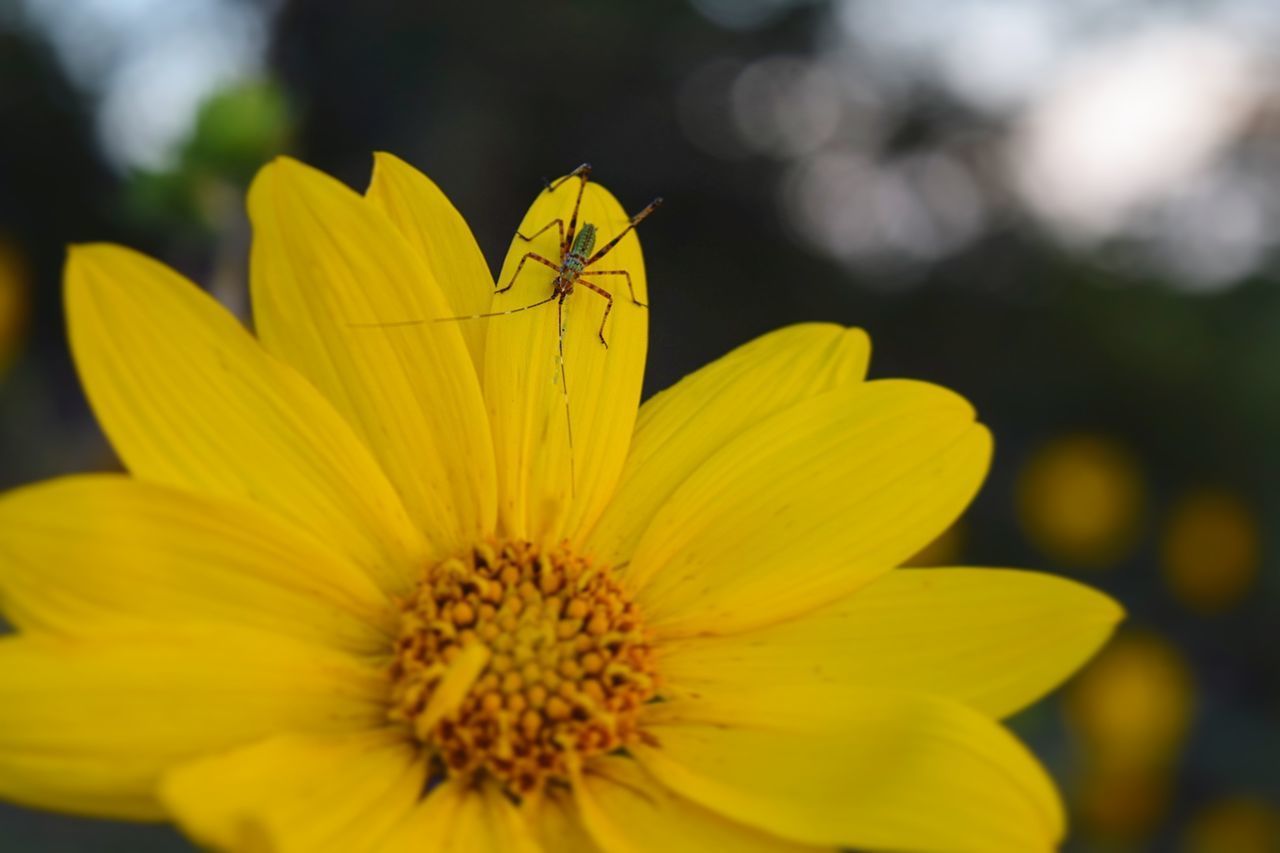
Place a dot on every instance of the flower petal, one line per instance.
(553, 819)
(432, 225)
(678, 429)
(867, 769)
(458, 818)
(808, 506)
(190, 400)
(88, 726)
(83, 555)
(325, 265)
(548, 489)
(299, 793)
(994, 639)
(627, 811)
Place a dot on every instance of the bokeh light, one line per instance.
(1210, 550)
(1132, 706)
(1130, 711)
(1113, 124)
(1092, 152)
(1239, 824)
(149, 64)
(1080, 500)
(15, 287)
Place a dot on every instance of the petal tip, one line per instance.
(96, 264)
(389, 167)
(1108, 612)
(1094, 605)
(857, 336)
(277, 171)
(83, 253)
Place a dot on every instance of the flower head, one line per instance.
(379, 582)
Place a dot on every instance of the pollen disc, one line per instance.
(517, 662)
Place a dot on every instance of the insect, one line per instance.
(578, 257)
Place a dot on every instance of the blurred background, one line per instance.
(1067, 210)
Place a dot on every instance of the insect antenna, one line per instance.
(564, 391)
(528, 307)
(391, 323)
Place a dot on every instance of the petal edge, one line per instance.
(995, 639)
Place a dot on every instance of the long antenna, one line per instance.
(387, 323)
(564, 390)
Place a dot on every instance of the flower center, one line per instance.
(519, 661)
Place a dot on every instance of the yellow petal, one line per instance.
(994, 639)
(627, 811)
(867, 769)
(554, 822)
(547, 490)
(325, 261)
(88, 726)
(88, 554)
(808, 506)
(448, 695)
(459, 818)
(299, 793)
(433, 226)
(678, 429)
(190, 400)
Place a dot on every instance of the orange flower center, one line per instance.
(518, 662)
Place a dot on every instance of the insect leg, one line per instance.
(583, 171)
(635, 220)
(607, 308)
(629, 285)
(558, 222)
(520, 266)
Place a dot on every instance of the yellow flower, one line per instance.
(1238, 823)
(1210, 551)
(349, 598)
(1130, 710)
(1133, 706)
(1080, 500)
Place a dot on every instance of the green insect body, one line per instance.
(575, 260)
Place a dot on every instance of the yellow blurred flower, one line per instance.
(14, 305)
(354, 597)
(1080, 500)
(1235, 825)
(1211, 550)
(1132, 706)
(1121, 803)
(1130, 709)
